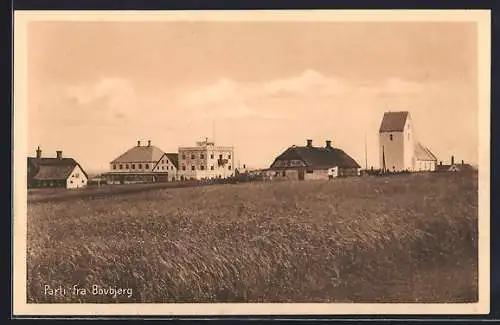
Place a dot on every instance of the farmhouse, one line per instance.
(55, 172)
(453, 167)
(143, 164)
(309, 162)
(205, 161)
(399, 150)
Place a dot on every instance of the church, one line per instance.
(399, 150)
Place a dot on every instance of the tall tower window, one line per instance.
(390, 137)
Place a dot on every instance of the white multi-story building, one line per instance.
(205, 161)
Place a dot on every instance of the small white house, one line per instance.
(55, 172)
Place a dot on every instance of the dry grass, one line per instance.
(399, 239)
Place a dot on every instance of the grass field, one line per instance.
(375, 239)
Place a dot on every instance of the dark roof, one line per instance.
(51, 168)
(459, 167)
(174, 158)
(319, 157)
(423, 153)
(393, 121)
(140, 154)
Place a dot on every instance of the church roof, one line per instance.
(423, 153)
(393, 121)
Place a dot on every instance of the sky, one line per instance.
(96, 88)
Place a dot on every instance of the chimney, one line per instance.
(38, 152)
(149, 143)
(309, 142)
(328, 143)
(138, 143)
(452, 160)
(59, 154)
(462, 162)
(440, 163)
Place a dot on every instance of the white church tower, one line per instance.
(397, 146)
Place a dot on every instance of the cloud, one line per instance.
(101, 102)
(309, 82)
(229, 98)
(393, 86)
(108, 98)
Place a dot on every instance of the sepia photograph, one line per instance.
(264, 162)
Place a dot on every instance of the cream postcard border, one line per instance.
(19, 222)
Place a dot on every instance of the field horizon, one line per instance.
(410, 238)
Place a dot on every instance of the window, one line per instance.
(162, 167)
(121, 166)
(83, 181)
(220, 156)
(192, 156)
(284, 173)
(163, 161)
(212, 156)
(114, 166)
(192, 167)
(211, 167)
(183, 156)
(147, 166)
(77, 175)
(133, 166)
(390, 137)
(140, 166)
(229, 157)
(202, 167)
(71, 182)
(183, 167)
(229, 167)
(126, 166)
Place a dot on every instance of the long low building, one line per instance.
(309, 162)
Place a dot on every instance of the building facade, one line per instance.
(424, 159)
(55, 172)
(205, 161)
(314, 163)
(398, 148)
(142, 164)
